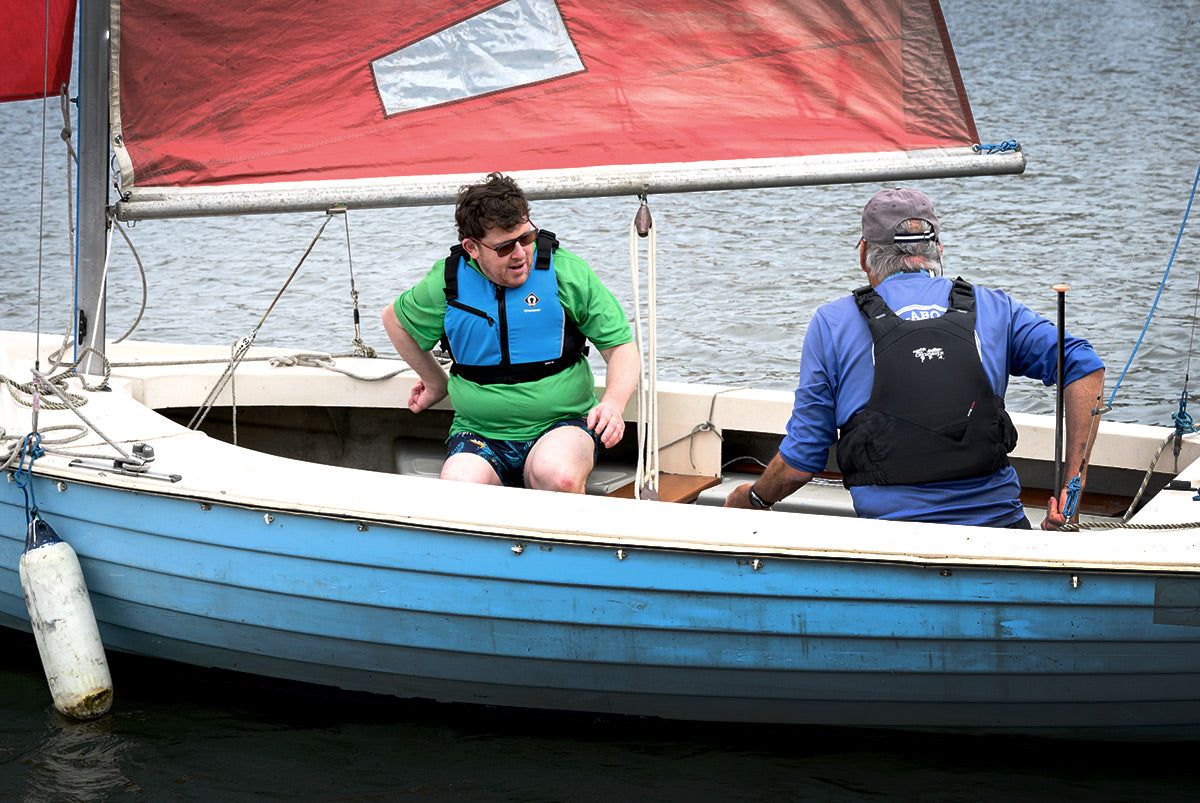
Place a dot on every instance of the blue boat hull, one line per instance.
(461, 616)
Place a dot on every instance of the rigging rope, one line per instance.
(13, 448)
(361, 349)
(1161, 285)
(42, 181)
(141, 271)
(706, 426)
(645, 484)
(240, 347)
(1170, 106)
(56, 384)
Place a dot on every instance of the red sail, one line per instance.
(34, 64)
(226, 92)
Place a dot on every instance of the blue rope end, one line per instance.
(1003, 147)
(1183, 419)
(1073, 489)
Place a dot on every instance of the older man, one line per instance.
(514, 310)
(908, 376)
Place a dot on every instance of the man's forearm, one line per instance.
(1080, 398)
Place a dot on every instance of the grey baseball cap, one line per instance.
(889, 208)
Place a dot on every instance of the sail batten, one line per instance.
(387, 98)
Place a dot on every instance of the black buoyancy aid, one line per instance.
(932, 415)
(505, 335)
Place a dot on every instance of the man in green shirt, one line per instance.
(514, 310)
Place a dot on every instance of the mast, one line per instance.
(93, 180)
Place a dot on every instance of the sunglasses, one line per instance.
(505, 248)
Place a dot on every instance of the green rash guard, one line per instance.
(525, 410)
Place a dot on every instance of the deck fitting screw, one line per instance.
(622, 554)
(268, 518)
(517, 549)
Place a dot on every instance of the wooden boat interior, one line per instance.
(712, 437)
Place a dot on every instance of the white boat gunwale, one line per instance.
(224, 472)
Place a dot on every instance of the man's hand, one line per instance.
(1054, 518)
(423, 396)
(605, 420)
(740, 497)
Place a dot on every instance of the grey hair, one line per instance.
(885, 259)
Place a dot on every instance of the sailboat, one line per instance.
(318, 545)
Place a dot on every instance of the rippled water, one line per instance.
(209, 736)
(1102, 95)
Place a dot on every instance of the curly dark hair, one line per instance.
(495, 202)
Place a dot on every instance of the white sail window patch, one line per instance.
(516, 43)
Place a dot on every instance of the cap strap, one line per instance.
(919, 237)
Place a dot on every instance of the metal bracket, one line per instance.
(136, 466)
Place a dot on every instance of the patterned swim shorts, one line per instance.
(507, 458)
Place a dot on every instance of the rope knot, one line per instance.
(1003, 147)
(1183, 419)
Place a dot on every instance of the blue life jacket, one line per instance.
(932, 415)
(506, 335)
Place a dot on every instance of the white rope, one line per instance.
(635, 269)
(233, 391)
(113, 224)
(74, 408)
(648, 462)
(652, 450)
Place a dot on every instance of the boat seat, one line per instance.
(423, 457)
(683, 488)
(820, 496)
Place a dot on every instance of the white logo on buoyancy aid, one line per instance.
(531, 300)
(924, 354)
(921, 312)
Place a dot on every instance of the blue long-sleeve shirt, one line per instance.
(837, 372)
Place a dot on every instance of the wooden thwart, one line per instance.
(672, 487)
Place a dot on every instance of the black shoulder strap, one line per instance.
(869, 302)
(962, 296)
(547, 244)
(880, 318)
(457, 254)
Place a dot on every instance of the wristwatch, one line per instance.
(756, 501)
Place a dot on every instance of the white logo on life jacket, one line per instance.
(924, 354)
(921, 312)
(531, 300)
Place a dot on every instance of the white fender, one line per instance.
(64, 625)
